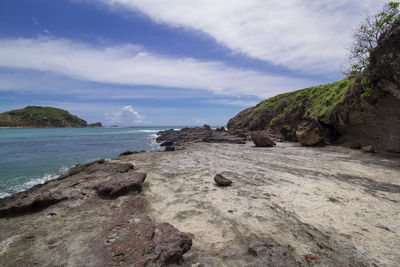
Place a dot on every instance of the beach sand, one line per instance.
(332, 202)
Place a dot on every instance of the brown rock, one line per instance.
(221, 180)
(288, 133)
(368, 149)
(261, 139)
(121, 185)
(78, 208)
(309, 133)
(170, 244)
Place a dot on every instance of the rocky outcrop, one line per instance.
(310, 133)
(95, 125)
(93, 215)
(261, 139)
(363, 109)
(198, 134)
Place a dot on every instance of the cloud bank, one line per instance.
(126, 116)
(132, 65)
(306, 35)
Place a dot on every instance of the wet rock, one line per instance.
(121, 185)
(310, 133)
(221, 129)
(129, 152)
(261, 139)
(167, 143)
(169, 148)
(355, 146)
(368, 149)
(221, 180)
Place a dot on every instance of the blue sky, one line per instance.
(159, 62)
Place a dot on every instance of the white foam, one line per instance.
(148, 131)
(35, 181)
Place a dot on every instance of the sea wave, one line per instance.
(32, 182)
(148, 131)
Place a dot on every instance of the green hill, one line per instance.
(289, 108)
(40, 117)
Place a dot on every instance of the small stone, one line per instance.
(252, 251)
(221, 180)
(311, 257)
(368, 149)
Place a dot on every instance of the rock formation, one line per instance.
(93, 215)
(363, 109)
(198, 134)
(261, 139)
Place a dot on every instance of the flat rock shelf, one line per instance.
(288, 205)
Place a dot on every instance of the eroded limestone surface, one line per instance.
(327, 206)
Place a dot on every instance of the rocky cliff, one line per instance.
(40, 117)
(363, 109)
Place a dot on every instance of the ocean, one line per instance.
(34, 156)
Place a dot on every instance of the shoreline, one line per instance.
(277, 193)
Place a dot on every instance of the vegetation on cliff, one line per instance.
(311, 102)
(40, 117)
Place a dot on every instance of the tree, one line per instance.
(366, 37)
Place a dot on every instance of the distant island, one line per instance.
(42, 117)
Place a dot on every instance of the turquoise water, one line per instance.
(32, 156)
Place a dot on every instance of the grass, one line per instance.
(313, 101)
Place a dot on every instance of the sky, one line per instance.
(169, 62)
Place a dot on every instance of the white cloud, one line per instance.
(126, 116)
(131, 65)
(305, 35)
(234, 102)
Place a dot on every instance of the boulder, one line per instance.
(221, 129)
(169, 148)
(121, 185)
(310, 133)
(221, 180)
(261, 139)
(288, 133)
(167, 143)
(368, 149)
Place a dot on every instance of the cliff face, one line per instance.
(40, 117)
(364, 109)
(370, 112)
